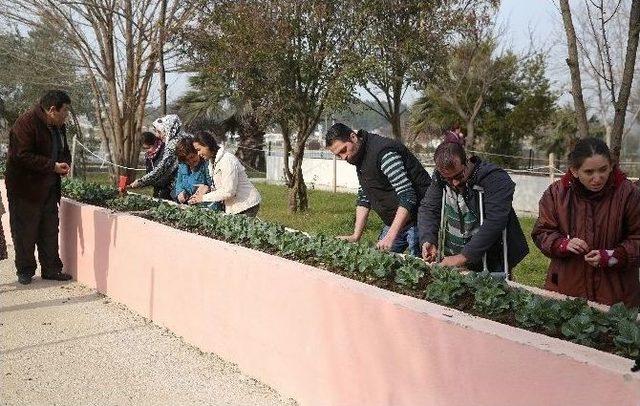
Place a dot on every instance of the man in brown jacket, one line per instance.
(38, 156)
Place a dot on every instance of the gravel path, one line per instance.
(64, 344)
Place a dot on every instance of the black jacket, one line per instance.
(498, 214)
(374, 183)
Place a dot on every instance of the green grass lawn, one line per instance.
(329, 213)
(533, 269)
(334, 214)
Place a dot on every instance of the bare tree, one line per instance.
(117, 43)
(574, 69)
(598, 52)
(603, 74)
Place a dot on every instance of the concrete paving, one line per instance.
(64, 344)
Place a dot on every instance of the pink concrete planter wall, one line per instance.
(324, 339)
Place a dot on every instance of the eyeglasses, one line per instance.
(458, 177)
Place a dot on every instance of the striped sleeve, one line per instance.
(393, 168)
(363, 200)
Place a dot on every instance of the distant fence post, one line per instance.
(552, 167)
(334, 181)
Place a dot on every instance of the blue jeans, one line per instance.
(407, 238)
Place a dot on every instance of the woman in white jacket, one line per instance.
(232, 186)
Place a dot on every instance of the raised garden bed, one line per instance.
(613, 331)
(325, 339)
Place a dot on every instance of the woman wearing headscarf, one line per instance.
(154, 148)
(169, 130)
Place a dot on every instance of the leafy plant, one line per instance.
(619, 312)
(539, 313)
(447, 287)
(519, 299)
(376, 264)
(581, 328)
(410, 272)
(131, 203)
(627, 339)
(569, 308)
(490, 295)
(87, 192)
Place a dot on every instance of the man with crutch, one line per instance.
(466, 219)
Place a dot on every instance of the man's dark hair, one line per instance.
(148, 138)
(338, 131)
(207, 139)
(445, 154)
(184, 148)
(586, 148)
(55, 98)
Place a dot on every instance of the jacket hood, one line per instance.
(481, 170)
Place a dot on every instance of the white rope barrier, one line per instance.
(105, 161)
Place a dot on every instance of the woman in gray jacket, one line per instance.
(169, 129)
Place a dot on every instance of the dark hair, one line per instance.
(148, 138)
(446, 152)
(55, 98)
(184, 148)
(338, 131)
(586, 148)
(207, 139)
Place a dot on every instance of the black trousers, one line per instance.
(35, 224)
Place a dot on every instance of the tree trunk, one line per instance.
(163, 72)
(298, 200)
(627, 80)
(396, 113)
(250, 146)
(127, 151)
(250, 151)
(574, 69)
(396, 126)
(163, 84)
(470, 137)
(286, 144)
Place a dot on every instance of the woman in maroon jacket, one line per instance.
(589, 225)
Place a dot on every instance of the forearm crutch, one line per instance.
(441, 230)
(485, 267)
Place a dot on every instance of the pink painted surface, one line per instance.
(5, 216)
(324, 339)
